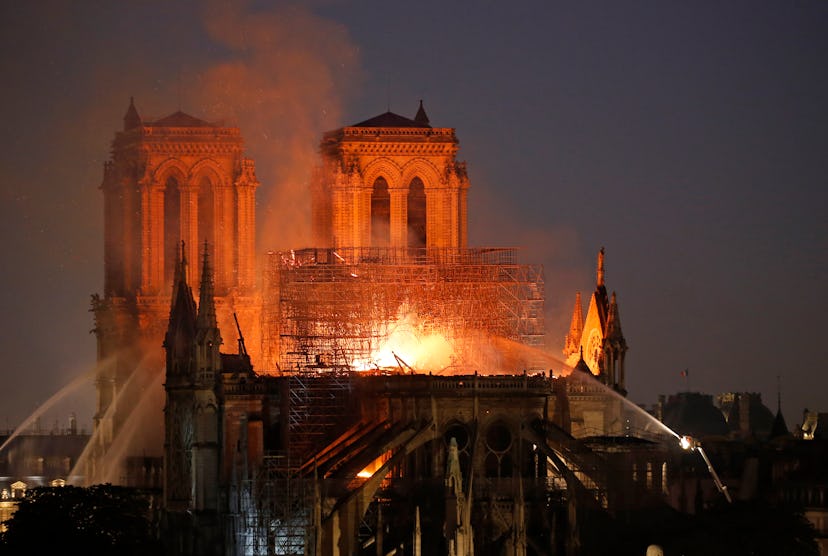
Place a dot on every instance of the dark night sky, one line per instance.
(689, 139)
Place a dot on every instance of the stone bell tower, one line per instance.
(171, 182)
(390, 182)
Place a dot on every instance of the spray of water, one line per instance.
(141, 430)
(95, 440)
(58, 396)
(515, 356)
(639, 420)
(143, 380)
(513, 352)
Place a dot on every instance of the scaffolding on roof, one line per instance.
(331, 308)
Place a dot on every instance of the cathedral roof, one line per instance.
(389, 119)
(180, 119)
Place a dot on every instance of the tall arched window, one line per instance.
(172, 227)
(206, 219)
(380, 214)
(416, 213)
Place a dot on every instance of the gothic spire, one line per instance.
(206, 300)
(131, 118)
(779, 427)
(778, 394)
(421, 117)
(181, 289)
(614, 333)
(576, 328)
(601, 300)
(181, 327)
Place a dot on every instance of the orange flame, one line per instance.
(407, 340)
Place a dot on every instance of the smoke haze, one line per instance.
(283, 80)
(280, 73)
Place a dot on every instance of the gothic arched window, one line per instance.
(380, 214)
(416, 213)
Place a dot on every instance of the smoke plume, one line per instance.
(282, 80)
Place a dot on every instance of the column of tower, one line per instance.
(169, 180)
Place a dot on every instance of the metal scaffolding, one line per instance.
(272, 499)
(273, 511)
(330, 308)
(317, 410)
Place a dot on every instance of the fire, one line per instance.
(374, 466)
(407, 339)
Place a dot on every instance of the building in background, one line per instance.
(36, 458)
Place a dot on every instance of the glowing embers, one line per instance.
(374, 466)
(408, 343)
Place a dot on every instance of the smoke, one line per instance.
(567, 264)
(282, 78)
(280, 73)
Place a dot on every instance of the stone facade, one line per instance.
(390, 182)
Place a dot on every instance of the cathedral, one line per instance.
(301, 438)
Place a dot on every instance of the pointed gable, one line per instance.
(389, 119)
(180, 119)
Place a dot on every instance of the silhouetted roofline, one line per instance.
(389, 119)
(180, 119)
